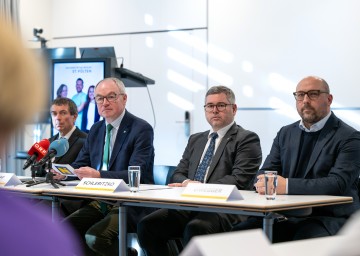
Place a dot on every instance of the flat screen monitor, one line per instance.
(98, 52)
(65, 75)
(56, 53)
(61, 53)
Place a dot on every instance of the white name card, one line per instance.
(8, 179)
(213, 191)
(110, 185)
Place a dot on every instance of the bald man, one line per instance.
(318, 155)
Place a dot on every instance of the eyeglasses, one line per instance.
(312, 94)
(220, 107)
(110, 98)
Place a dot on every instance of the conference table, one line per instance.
(159, 196)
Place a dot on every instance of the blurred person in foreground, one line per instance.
(317, 155)
(23, 82)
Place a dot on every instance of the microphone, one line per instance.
(36, 152)
(57, 148)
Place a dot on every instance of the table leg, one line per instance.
(122, 231)
(268, 223)
(55, 209)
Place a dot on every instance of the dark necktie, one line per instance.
(107, 148)
(201, 171)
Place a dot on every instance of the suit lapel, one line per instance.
(198, 151)
(294, 149)
(53, 139)
(124, 130)
(99, 144)
(325, 135)
(219, 151)
(74, 136)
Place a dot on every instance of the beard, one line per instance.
(309, 115)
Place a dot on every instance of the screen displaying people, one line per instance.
(90, 112)
(62, 91)
(72, 79)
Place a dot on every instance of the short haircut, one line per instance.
(222, 89)
(117, 81)
(79, 79)
(66, 102)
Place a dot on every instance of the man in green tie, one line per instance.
(113, 144)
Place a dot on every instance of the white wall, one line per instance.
(260, 48)
(274, 44)
(154, 51)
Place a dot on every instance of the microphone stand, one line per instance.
(34, 169)
(49, 178)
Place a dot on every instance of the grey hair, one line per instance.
(117, 81)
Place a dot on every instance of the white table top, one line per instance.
(166, 195)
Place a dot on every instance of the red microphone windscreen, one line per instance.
(39, 148)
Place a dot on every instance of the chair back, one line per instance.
(162, 174)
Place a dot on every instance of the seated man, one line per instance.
(318, 155)
(64, 114)
(227, 154)
(113, 144)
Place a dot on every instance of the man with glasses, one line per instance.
(225, 154)
(113, 144)
(318, 155)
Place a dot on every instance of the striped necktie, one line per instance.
(201, 171)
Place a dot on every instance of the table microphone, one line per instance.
(57, 148)
(36, 152)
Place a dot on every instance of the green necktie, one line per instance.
(107, 148)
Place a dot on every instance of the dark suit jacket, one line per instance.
(133, 146)
(333, 168)
(76, 142)
(235, 162)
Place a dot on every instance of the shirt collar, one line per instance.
(315, 127)
(221, 132)
(116, 123)
(68, 135)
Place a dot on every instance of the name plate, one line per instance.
(213, 191)
(99, 184)
(8, 179)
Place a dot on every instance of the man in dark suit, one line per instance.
(318, 155)
(63, 114)
(131, 143)
(236, 159)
